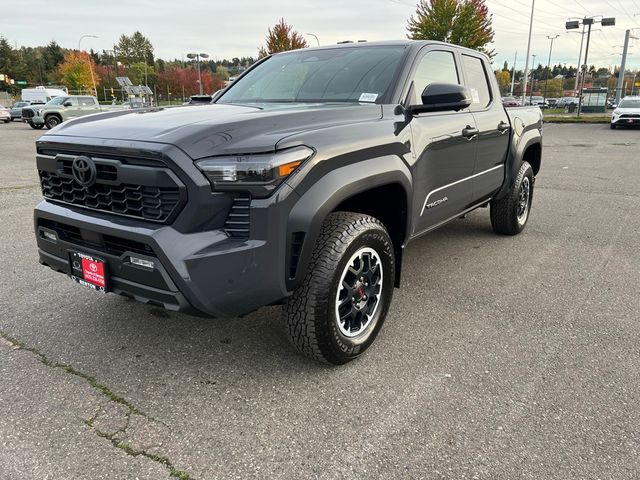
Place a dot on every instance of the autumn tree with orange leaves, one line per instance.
(75, 71)
(461, 22)
(282, 37)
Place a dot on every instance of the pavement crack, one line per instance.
(131, 410)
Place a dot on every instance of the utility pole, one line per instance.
(575, 88)
(526, 65)
(513, 77)
(546, 81)
(588, 21)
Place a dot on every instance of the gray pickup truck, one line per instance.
(59, 110)
(301, 185)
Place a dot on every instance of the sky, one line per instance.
(226, 29)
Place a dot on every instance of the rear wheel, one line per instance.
(338, 310)
(510, 213)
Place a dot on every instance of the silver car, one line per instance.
(5, 114)
(16, 109)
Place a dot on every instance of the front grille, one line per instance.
(144, 189)
(27, 113)
(148, 203)
(238, 220)
(104, 243)
(630, 115)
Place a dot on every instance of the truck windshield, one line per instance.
(358, 74)
(57, 101)
(630, 103)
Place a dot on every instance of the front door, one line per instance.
(444, 147)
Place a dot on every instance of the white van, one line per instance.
(41, 94)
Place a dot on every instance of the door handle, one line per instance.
(503, 127)
(469, 132)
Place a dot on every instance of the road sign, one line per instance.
(21, 82)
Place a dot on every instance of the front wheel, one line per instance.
(612, 126)
(52, 121)
(338, 310)
(510, 213)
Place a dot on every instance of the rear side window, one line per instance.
(86, 101)
(477, 82)
(435, 67)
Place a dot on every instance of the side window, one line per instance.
(86, 101)
(477, 82)
(73, 101)
(435, 67)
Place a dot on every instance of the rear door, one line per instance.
(443, 150)
(493, 124)
(87, 105)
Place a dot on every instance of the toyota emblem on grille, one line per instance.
(84, 171)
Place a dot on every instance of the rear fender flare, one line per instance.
(519, 146)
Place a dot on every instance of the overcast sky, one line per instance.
(226, 29)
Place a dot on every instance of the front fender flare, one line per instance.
(331, 190)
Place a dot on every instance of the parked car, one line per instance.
(627, 113)
(16, 109)
(510, 102)
(552, 102)
(538, 101)
(60, 109)
(5, 114)
(324, 164)
(564, 102)
(199, 100)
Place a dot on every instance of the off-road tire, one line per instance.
(310, 312)
(504, 211)
(52, 121)
(36, 126)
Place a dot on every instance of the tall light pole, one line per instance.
(589, 21)
(623, 62)
(198, 56)
(93, 80)
(314, 36)
(546, 80)
(533, 66)
(513, 77)
(526, 65)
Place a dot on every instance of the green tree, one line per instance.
(282, 37)
(462, 22)
(134, 49)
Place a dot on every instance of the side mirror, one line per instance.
(443, 97)
(66, 104)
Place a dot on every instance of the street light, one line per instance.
(526, 62)
(546, 81)
(93, 80)
(314, 36)
(588, 21)
(198, 56)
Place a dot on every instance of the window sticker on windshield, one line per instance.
(474, 95)
(368, 97)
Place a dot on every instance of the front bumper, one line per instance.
(207, 273)
(625, 120)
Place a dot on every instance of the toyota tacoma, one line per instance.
(300, 185)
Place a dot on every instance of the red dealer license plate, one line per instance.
(89, 271)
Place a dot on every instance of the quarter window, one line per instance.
(435, 67)
(477, 82)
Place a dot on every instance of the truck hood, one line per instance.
(207, 130)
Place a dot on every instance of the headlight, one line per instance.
(260, 173)
(616, 112)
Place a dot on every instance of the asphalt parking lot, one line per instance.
(501, 358)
